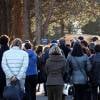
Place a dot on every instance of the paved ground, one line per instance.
(40, 95)
(41, 98)
(45, 98)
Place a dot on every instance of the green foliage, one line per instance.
(53, 36)
(52, 12)
(92, 27)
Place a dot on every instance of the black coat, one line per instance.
(3, 48)
(95, 71)
(65, 49)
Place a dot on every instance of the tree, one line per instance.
(26, 20)
(38, 17)
(29, 19)
(17, 18)
(8, 7)
(3, 17)
(48, 17)
(92, 27)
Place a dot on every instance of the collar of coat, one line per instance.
(15, 47)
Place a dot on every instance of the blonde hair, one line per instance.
(17, 42)
(55, 50)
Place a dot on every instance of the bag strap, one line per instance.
(80, 67)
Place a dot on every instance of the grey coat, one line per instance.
(55, 68)
(79, 67)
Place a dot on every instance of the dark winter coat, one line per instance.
(95, 71)
(55, 68)
(2, 50)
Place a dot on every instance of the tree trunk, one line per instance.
(38, 16)
(8, 6)
(17, 18)
(50, 12)
(62, 27)
(27, 32)
(3, 17)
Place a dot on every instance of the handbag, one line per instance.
(13, 91)
(65, 89)
(68, 89)
(71, 90)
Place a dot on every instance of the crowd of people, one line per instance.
(78, 62)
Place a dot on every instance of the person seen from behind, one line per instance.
(63, 47)
(45, 56)
(14, 63)
(85, 48)
(31, 73)
(40, 66)
(95, 73)
(78, 65)
(55, 69)
(4, 45)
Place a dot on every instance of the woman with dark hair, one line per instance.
(31, 73)
(4, 40)
(85, 47)
(77, 49)
(39, 51)
(63, 47)
(78, 64)
(40, 66)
